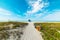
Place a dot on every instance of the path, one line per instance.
(31, 33)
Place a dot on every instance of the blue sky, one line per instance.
(36, 10)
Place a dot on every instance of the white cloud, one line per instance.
(3, 18)
(38, 15)
(4, 12)
(5, 15)
(42, 14)
(55, 16)
(36, 5)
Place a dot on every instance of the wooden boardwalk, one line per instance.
(31, 33)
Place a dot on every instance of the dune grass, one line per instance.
(50, 30)
(5, 25)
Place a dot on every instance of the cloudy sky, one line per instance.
(36, 10)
